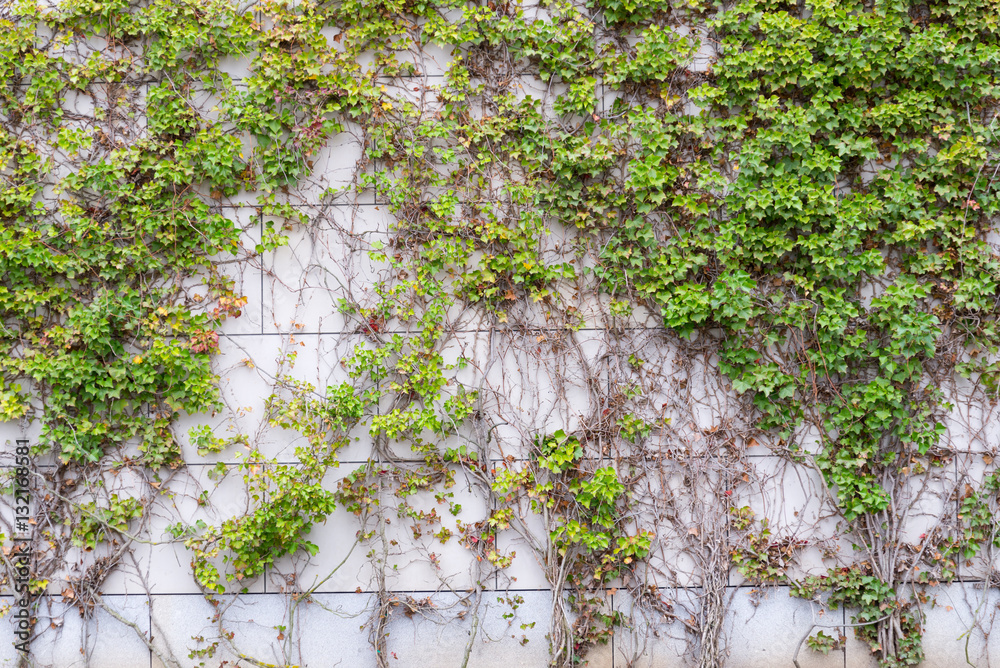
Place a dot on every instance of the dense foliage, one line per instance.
(803, 192)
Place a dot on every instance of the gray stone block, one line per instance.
(330, 630)
(764, 626)
(654, 635)
(65, 639)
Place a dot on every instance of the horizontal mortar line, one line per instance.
(290, 462)
(353, 592)
(366, 592)
(380, 79)
(651, 458)
(335, 205)
(383, 203)
(343, 464)
(533, 330)
(237, 82)
(369, 592)
(350, 462)
(135, 84)
(402, 461)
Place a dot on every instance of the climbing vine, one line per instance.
(585, 266)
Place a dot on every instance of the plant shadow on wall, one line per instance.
(660, 236)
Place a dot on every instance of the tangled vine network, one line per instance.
(577, 326)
